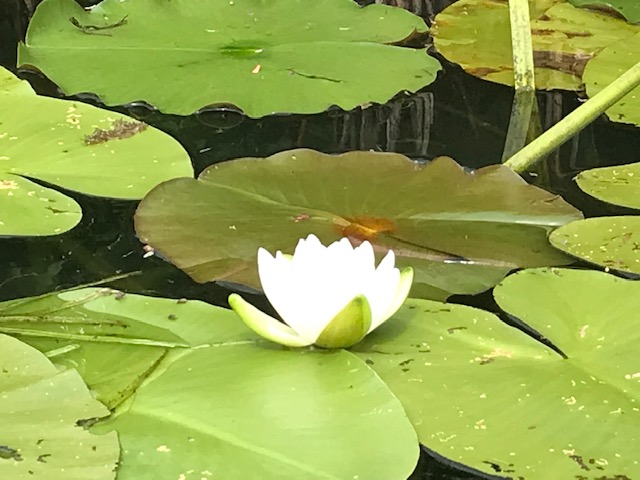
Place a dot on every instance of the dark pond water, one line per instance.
(459, 116)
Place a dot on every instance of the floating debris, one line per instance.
(148, 251)
(120, 129)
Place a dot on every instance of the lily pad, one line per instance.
(619, 185)
(629, 9)
(263, 57)
(75, 146)
(476, 35)
(612, 242)
(460, 231)
(606, 67)
(95, 332)
(239, 412)
(222, 401)
(487, 395)
(39, 408)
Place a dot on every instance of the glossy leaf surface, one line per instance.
(39, 408)
(476, 34)
(619, 185)
(299, 56)
(460, 231)
(611, 242)
(75, 146)
(607, 66)
(205, 394)
(486, 395)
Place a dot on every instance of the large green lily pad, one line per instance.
(39, 408)
(607, 66)
(619, 185)
(630, 9)
(75, 146)
(298, 56)
(97, 333)
(240, 412)
(612, 242)
(220, 401)
(476, 34)
(461, 232)
(485, 394)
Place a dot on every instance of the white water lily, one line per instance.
(327, 296)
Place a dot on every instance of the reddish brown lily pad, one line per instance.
(476, 34)
(461, 231)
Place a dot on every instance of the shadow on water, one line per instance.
(459, 116)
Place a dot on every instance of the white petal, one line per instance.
(301, 289)
(278, 282)
(345, 272)
(363, 260)
(380, 289)
(307, 248)
(274, 276)
(401, 294)
(340, 250)
(350, 270)
(388, 262)
(309, 289)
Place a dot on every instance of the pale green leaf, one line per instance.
(39, 410)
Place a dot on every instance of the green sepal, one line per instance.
(265, 325)
(349, 326)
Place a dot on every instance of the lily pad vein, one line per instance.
(234, 440)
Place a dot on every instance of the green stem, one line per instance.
(575, 121)
(523, 77)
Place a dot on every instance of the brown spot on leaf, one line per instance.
(572, 63)
(542, 31)
(578, 459)
(120, 129)
(55, 210)
(453, 329)
(483, 71)
(366, 228)
(578, 34)
(9, 453)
